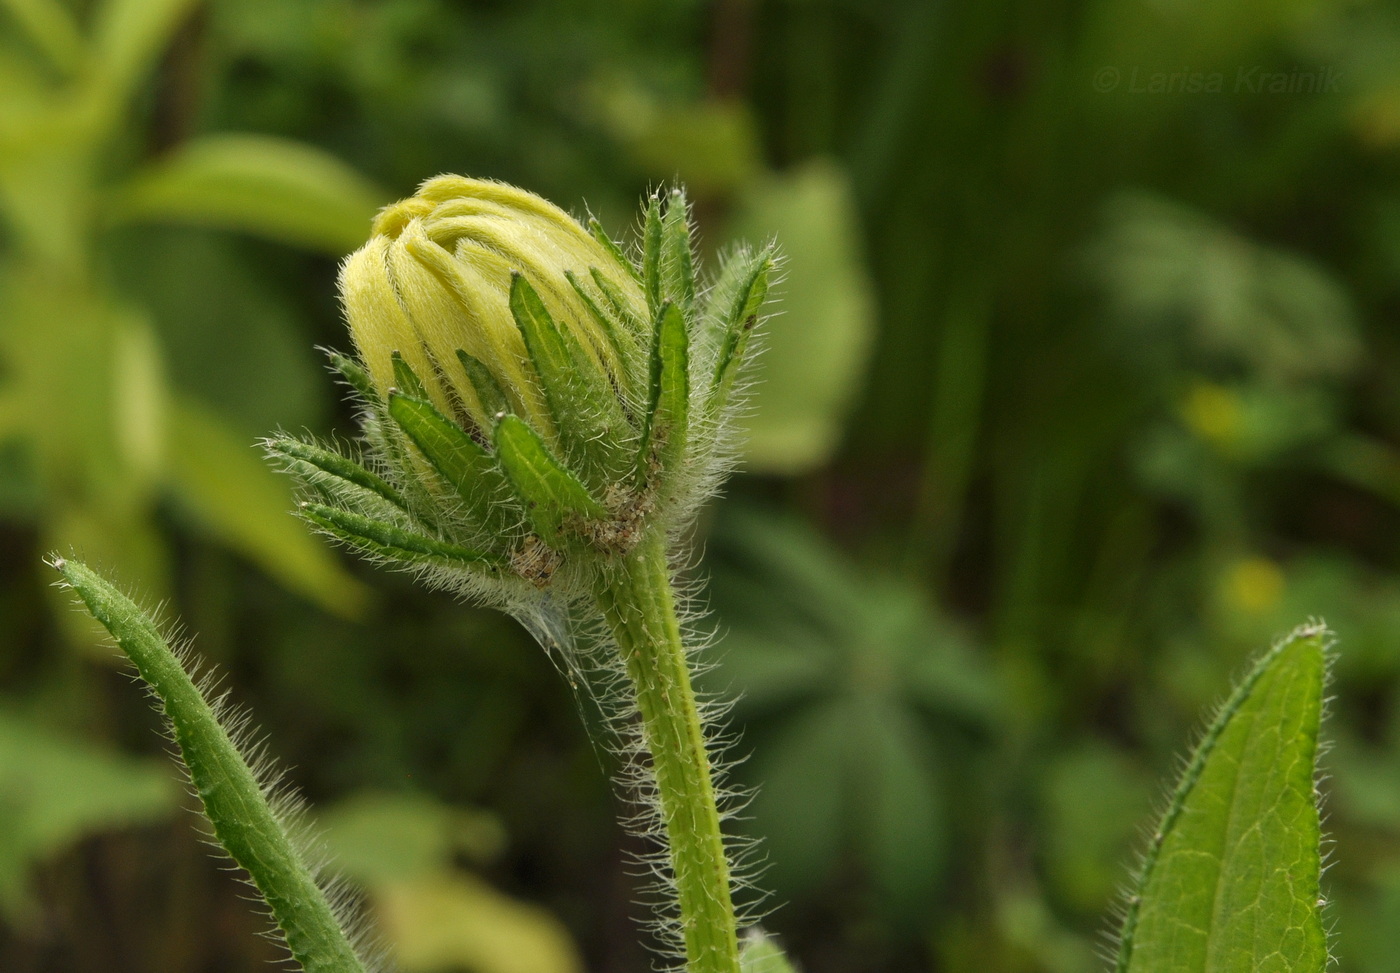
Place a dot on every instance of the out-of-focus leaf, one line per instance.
(277, 188)
(129, 35)
(455, 922)
(267, 373)
(382, 837)
(817, 343)
(233, 494)
(1093, 798)
(1190, 291)
(51, 27)
(1230, 883)
(54, 791)
(848, 686)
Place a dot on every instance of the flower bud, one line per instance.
(536, 403)
(435, 279)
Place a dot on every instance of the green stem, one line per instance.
(639, 606)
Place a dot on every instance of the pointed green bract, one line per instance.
(244, 823)
(677, 260)
(383, 539)
(463, 463)
(553, 497)
(621, 335)
(651, 254)
(335, 465)
(735, 323)
(664, 440)
(488, 390)
(1230, 882)
(601, 235)
(406, 379)
(586, 410)
(355, 376)
(617, 304)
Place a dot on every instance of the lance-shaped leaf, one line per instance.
(335, 476)
(677, 259)
(667, 424)
(386, 540)
(586, 410)
(1230, 881)
(554, 498)
(740, 294)
(601, 235)
(462, 462)
(244, 823)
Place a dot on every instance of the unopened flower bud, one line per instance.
(536, 400)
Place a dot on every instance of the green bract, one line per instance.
(534, 402)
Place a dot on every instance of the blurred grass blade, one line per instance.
(272, 187)
(1230, 882)
(552, 496)
(245, 824)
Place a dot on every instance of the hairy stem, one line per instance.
(639, 605)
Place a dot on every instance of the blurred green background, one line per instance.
(1084, 387)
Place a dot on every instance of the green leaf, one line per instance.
(244, 822)
(386, 540)
(1230, 881)
(733, 314)
(376, 836)
(406, 379)
(619, 327)
(664, 438)
(237, 498)
(554, 499)
(273, 187)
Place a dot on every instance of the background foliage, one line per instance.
(1083, 390)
